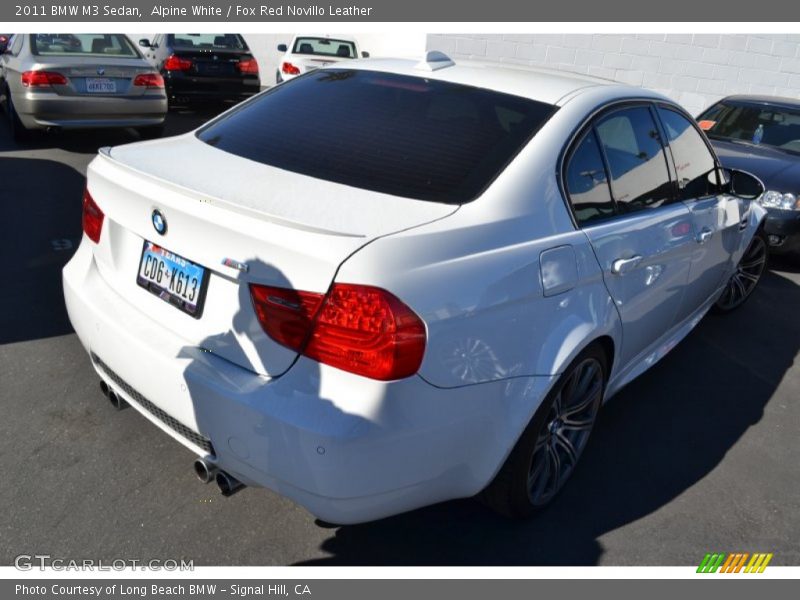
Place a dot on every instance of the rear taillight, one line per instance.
(176, 63)
(356, 328)
(248, 65)
(290, 69)
(150, 80)
(92, 217)
(42, 78)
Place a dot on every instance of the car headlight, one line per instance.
(773, 199)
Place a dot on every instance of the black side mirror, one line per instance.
(282, 48)
(364, 54)
(744, 185)
(145, 43)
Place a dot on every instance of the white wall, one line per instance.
(693, 69)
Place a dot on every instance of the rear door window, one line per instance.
(402, 135)
(587, 183)
(694, 164)
(638, 168)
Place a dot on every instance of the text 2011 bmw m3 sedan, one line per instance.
(378, 287)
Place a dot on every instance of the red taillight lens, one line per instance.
(286, 315)
(290, 69)
(176, 63)
(248, 65)
(356, 328)
(42, 78)
(92, 217)
(151, 80)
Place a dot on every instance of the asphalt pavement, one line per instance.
(700, 454)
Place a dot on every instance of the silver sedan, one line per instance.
(55, 81)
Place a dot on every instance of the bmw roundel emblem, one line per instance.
(159, 222)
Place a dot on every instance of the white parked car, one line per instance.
(309, 52)
(383, 286)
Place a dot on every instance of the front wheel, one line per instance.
(547, 452)
(746, 276)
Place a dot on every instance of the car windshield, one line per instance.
(87, 44)
(207, 41)
(401, 135)
(753, 123)
(324, 47)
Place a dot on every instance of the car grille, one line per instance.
(176, 426)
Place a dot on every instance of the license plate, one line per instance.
(172, 278)
(101, 86)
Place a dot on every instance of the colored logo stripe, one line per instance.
(734, 563)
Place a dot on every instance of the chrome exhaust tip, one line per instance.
(116, 400)
(204, 470)
(104, 388)
(228, 484)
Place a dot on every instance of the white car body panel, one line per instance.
(510, 291)
(310, 62)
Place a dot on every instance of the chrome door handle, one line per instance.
(704, 235)
(625, 265)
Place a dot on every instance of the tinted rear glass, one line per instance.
(207, 41)
(96, 44)
(400, 135)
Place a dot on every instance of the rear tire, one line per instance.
(747, 276)
(546, 454)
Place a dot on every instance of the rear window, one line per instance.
(324, 47)
(207, 41)
(396, 134)
(95, 44)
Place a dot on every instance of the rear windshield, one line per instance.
(753, 123)
(94, 44)
(400, 135)
(207, 41)
(324, 47)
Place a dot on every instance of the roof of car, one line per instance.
(777, 100)
(544, 85)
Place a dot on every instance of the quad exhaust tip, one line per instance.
(116, 400)
(228, 484)
(204, 470)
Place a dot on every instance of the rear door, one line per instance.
(620, 187)
(718, 220)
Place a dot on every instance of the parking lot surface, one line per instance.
(700, 454)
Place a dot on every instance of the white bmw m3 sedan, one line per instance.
(387, 284)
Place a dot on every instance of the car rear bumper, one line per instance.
(210, 89)
(347, 448)
(783, 230)
(44, 110)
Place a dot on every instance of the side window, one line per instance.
(586, 182)
(694, 163)
(636, 160)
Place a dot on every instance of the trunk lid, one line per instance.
(98, 76)
(214, 63)
(289, 230)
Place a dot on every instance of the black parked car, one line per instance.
(204, 67)
(761, 134)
